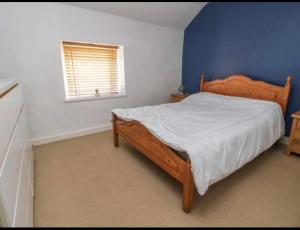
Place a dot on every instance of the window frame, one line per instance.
(121, 71)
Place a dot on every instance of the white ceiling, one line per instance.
(176, 15)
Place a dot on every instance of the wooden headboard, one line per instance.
(243, 86)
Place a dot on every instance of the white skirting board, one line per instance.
(69, 135)
(88, 131)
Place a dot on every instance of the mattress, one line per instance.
(219, 133)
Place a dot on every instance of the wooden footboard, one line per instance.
(162, 155)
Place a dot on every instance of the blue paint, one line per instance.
(261, 40)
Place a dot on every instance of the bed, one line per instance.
(208, 135)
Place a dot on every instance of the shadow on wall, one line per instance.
(260, 40)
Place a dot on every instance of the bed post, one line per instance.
(188, 188)
(115, 133)
(202, 83)
(286, 93)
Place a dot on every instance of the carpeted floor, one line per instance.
(86, 181)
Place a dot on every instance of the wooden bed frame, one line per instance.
(165, 157)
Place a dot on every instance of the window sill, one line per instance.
(78, 99)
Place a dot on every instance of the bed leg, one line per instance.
(188, 189)
(115, 133)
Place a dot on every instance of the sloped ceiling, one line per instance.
(176, 15)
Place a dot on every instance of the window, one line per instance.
(92, 70)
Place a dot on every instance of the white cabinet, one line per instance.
(16, 162)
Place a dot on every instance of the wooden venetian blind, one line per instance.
(91, 70)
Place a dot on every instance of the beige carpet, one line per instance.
(87, 182)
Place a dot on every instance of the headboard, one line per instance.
(243, 86)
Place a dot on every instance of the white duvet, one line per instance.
(219, 133)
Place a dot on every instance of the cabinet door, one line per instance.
(21, 204)
(10, 108)
(10, 172)
(24, 215)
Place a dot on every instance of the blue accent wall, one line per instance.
(261, 40)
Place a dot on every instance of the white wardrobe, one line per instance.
(16, 159)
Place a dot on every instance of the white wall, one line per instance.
(29, 50)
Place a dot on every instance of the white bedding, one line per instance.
(219, 133)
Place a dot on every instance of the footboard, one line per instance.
(162, 155)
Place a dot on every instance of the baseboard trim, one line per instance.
(284, 140)
(69, 135)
